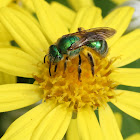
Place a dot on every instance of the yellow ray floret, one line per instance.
(16, 62)
(119, 120)
(72, 132)
(128, 101)
(86, 118)
(18, 95)
(29, 122)
(119, 1)
(49, 18)
(7, 79)
(80, 3)
(87, 18)
(126, 48)
(108, 124)
(116, 20)
(66, 14)
(23, 29)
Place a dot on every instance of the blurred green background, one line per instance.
(130, 125)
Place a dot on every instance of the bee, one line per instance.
(72, 44)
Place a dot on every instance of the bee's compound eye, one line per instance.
(54, 53)
(53, 50)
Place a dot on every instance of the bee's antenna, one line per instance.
(79, 68)
(65, 64)
(91, 63)
(50, 68)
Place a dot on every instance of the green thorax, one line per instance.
(66, 42)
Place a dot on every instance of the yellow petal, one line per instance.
(118, 117)
(4, 34)
(127, 76)
(87, 18)
(5, 44)
(22, 10)
(4, 3)
(25, 32)
(15, 96)
(108, 124)
(52, 25)
(72, 132)
(28, 5)
(119, 1)
(88, 125)
(63, 128)
(54, 125)
(118, 19)
(126, 48)
(65, 13)
(129, 102)
(7, 79)
(16, 62)
(77, 4)
(23, 127)
(134, 137)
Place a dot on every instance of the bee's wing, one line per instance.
(100, 33)
(92, 35)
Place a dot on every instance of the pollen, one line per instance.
(64, 87)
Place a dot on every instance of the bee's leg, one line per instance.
(65, 64)
(50, 68)
(79, 68)
(91, 63)
(80, 29)
(45, 57)
(55, 68)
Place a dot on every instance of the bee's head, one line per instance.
(54, 55)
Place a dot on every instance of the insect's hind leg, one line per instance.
(50, 68)
(91, 63)
(55, 68)
(65, 64)
(80, 29)
(79, 68)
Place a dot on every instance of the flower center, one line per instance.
(65, 87)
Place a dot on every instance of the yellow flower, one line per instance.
(68, 104)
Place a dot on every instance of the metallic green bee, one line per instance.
(71, 45)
